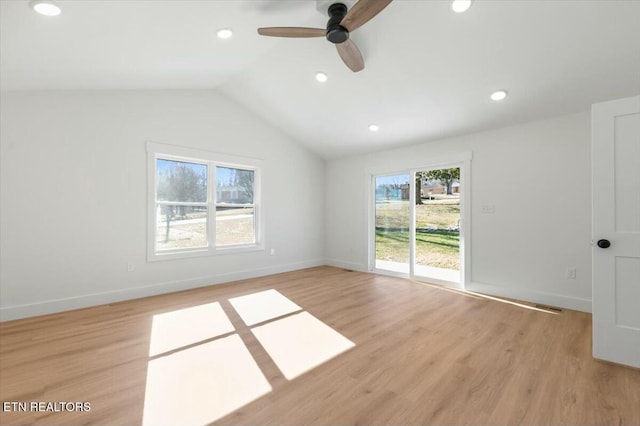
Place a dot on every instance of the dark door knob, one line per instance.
(604, 243)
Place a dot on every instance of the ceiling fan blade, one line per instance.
(351, 55)
(362, 12)
(292, 32)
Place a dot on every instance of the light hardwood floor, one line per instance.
(422, 355)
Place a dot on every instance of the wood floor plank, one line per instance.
(423, 355)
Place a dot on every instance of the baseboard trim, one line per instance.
(526, 295)
(549, 299)
(346, 265)
(10, 313)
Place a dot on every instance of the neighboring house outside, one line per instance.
(401, 192)
(433, 187)
(232, 194)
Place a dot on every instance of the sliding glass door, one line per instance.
(418, 224)
(392, 223)
(437, 224)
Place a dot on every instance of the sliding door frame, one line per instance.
(462, 160)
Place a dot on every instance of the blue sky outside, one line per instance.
(387, 187)
(400, 179)
(164, 166)
(224, 175)
(231, 183)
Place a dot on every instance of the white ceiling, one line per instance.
(428, 75)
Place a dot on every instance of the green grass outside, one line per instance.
(437, 233)
(438, 249)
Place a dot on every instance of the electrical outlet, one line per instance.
(131, 267)
(571, 273)
(272, 252)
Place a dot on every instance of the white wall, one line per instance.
(537, 175)
(73, 200)
(73, 195)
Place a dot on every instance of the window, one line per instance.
(235, 208)
(201, 203)
(181, 205)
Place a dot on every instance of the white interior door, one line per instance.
(616, 230)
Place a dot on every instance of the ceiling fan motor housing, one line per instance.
(336, 33)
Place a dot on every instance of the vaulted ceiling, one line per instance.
(429, 71)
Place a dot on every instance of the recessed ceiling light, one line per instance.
(460, 6)
(374, 127)
(44, 7)
(224, 33)
(322, 77)
(498, 95)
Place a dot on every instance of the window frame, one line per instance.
(212, 160)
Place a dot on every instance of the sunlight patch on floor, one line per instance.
(300, 342)
(512, 302)
(474, 295)
(200, 369)
(183, 327)
(201, 384)
(263, 306)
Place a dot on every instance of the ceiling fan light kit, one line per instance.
(341, 22)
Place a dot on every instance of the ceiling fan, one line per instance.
(341, 23)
